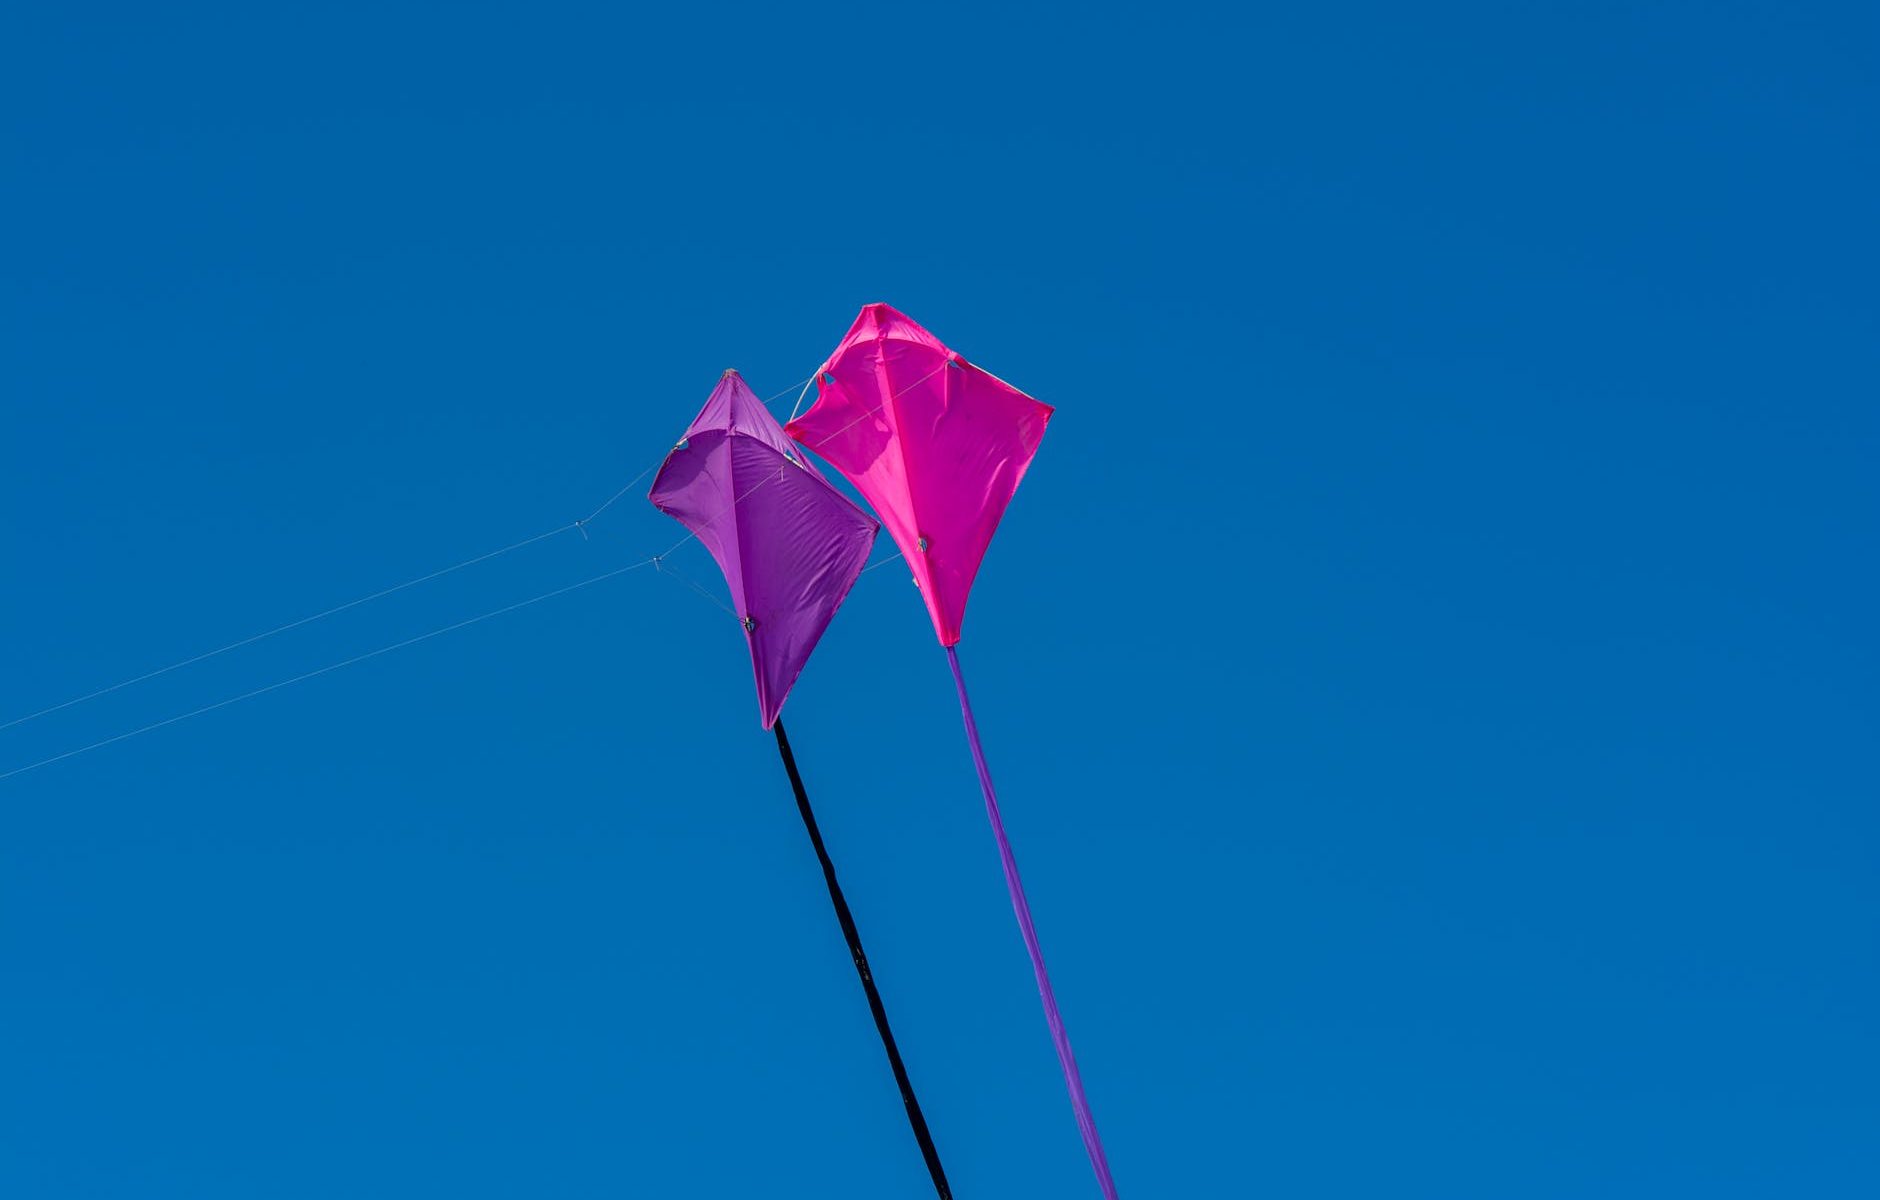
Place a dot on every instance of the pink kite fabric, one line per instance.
(789, 544)
(936, 445)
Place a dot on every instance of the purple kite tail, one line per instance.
(1086, 1124)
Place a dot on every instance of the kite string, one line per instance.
(357, 658)
(665, 568)
(797, 407)
(892, 396)
(715, 517)
(654, 561)
(617, 495)
(249, 641)
(580, 524)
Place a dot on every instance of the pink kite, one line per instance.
(936, 444)
(938, 447)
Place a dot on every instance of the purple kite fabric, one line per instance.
(789, 544)
(936, 445)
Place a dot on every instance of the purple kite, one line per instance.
(938, 446)
(790, 547)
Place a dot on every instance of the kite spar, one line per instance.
(790, 547)
(938, 447)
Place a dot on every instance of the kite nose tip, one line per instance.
(729, 372)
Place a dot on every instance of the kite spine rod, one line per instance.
(915, 1118)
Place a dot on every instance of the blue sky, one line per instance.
(1429, 670)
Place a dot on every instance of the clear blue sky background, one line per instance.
(1429, 670)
